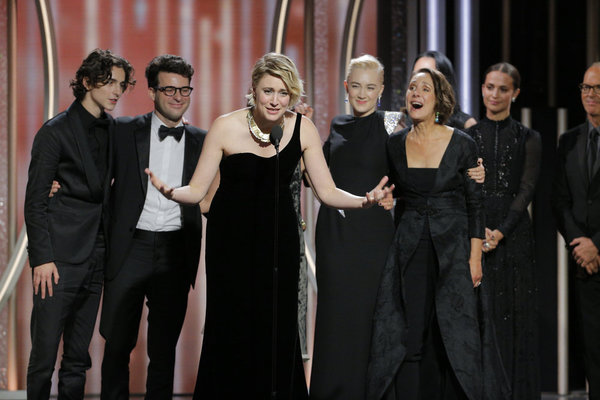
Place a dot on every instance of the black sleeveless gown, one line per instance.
(236, 360)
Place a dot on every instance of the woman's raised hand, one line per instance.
(160, 185)
(387, 202)
(378, 193)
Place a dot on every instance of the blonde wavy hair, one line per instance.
(282, 67)
(366, 61)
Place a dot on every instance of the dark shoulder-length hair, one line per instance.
(444, 94)
(96, 70)
(442, 64)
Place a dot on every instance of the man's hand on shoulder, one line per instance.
(43, 275)
(54, 188)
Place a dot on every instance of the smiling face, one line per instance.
(498, 92)
(591, 100)
(104, 96)
(170, 109)
(271, 100)
(364, 86)
(420, 98)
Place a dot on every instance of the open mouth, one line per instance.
(416, 105)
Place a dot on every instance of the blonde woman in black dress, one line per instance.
(243, 356)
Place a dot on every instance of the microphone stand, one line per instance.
(275, 140)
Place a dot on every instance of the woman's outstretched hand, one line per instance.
(160, 185)
(378, 193)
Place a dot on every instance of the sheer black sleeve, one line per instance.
(529, 176)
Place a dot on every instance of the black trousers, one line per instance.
(154, 270)
(425, 373)
(71, 314)
(588, 307)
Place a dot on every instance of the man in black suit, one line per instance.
(154, 243)
(576, 205)
(66, 232)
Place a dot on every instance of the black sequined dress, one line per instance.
(511, 154)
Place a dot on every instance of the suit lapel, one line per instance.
(582, 154)
(142, 143)
(190, 158)
(595, 181)
(442, 170)
(110, 161)
(91, 172)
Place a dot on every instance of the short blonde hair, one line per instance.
(282, 67)
(365, 61)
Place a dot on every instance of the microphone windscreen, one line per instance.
(276, 135)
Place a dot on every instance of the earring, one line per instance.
(346, 99)
(437, 117)
(379, 101)
(514, 99)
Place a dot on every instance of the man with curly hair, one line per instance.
(67, 231)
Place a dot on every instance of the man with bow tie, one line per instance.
(67, 231)
(154, 243)
(576, 204)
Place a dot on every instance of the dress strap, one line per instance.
(296, 134)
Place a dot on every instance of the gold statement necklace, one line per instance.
(259, 135)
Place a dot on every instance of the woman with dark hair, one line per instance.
(433, 59)
(427, 342)
(512, 153)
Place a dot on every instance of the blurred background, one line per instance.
(42, 43)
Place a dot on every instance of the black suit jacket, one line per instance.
(64, 228)
(128, 193)
(576, 200)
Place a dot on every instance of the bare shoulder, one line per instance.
(308, 133)
(228, 123)
(446, 130)
(232, 117)
(304, 122)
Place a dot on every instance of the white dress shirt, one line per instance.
(166, 162)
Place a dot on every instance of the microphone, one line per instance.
(276, 135)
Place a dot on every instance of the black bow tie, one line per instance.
(177, 132)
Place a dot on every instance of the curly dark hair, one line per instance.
(167, 63)
(96, 70)
(444, 94)
(280, 66)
